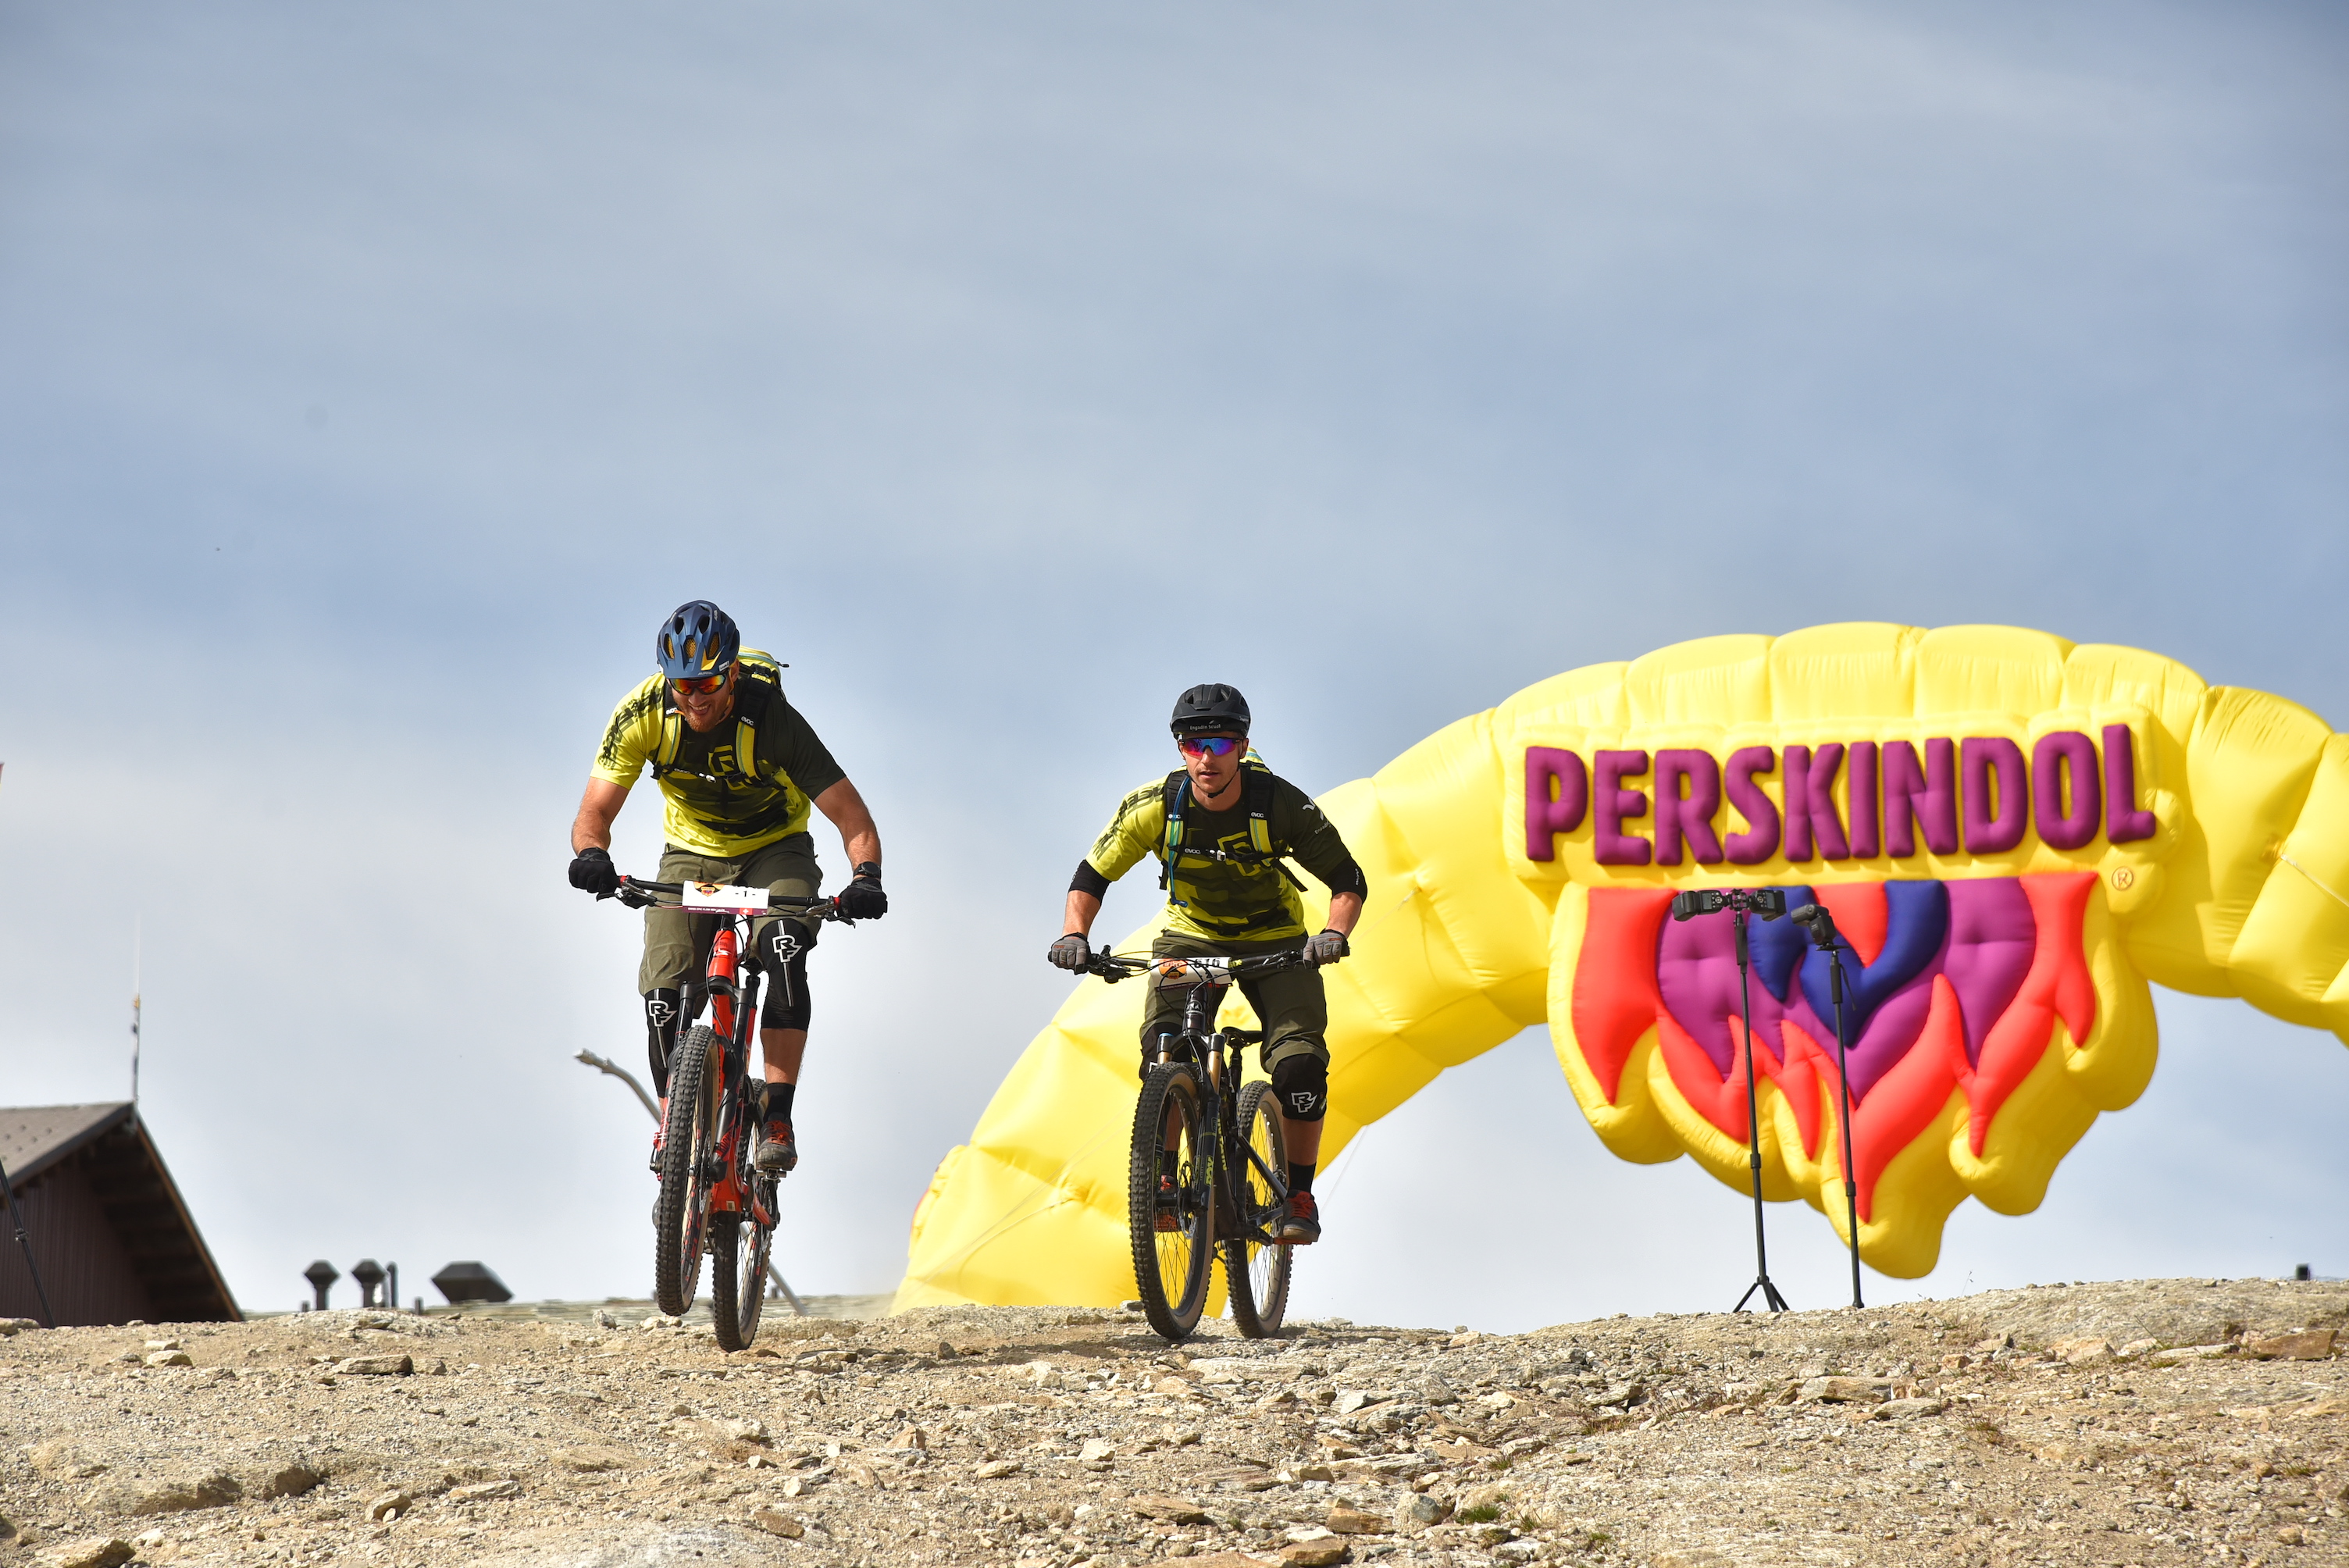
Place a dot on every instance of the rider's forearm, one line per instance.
(848, 812)
(1345, 909)
(592, 829)
(1082, 908)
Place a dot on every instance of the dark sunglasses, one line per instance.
(701, 687)
(1209, 745)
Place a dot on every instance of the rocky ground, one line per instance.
(2152, 1423)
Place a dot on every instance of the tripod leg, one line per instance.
(1753, 1131)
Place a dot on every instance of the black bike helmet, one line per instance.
(699, 640)
(1210, 710)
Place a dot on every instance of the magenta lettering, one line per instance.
(1984, 760)
(1687, 817)
(1761, 840)
(1612, 804)
(1864, 844)
(1810, 803)
(1981, 792)
(2124, 822)
(1557, 792)
(1926, 797)
(2064, 763)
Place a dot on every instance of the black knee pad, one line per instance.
(781, 939)
(1302, 1082)
(783, 954)
(663, 1013)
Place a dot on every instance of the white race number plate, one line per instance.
(716, 896)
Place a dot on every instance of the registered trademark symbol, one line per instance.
(2124, 878)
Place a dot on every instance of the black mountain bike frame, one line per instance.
(1194, 1044)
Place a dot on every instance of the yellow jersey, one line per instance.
(742, 784)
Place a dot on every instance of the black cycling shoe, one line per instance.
(778, 1150)
(1302, 1227)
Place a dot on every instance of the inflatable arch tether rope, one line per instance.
(2013, 833)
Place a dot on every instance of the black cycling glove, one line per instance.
(592, 870)
(862, 899)
(1324, 946)
(1069, 952)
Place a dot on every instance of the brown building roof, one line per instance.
(110, 1229)
(33, 1137)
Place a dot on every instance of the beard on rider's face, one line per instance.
(702, 712)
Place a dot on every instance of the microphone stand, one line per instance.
(1769, 1296)
(1843, 1073)
(1819, 924)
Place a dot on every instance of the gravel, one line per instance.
(2055, 1425)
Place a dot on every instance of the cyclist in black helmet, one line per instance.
(1220, 825)
(737, 769)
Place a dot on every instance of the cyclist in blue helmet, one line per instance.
(739, 770)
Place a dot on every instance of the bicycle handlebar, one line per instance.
(718, 898)
(1176, 971)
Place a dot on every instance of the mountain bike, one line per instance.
(1210, 1166)
(713, 1201)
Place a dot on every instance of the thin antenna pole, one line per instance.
(138, 953)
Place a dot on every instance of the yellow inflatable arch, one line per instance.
(2013, 832)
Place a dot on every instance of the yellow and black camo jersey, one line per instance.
(1225, 900)
(715, 805)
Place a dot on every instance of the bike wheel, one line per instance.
(689, 1148)
(751, 1272)
(738, 1248)
(1256, 1273)
(725, 1242)
(1171, 1266)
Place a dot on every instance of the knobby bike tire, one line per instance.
(756, 1243)
(1171, 1268)
(751, 1277)
(681, 1217)
(725, 1243)
(1255, 1275)
(738, 1248)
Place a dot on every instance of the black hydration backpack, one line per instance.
(1256, 785)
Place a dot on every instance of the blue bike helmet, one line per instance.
(699, 640)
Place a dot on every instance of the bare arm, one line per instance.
(592, 829)
(1345, 908)
(1084, 908)
(847, 811)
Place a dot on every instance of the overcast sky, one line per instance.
(373, 379)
